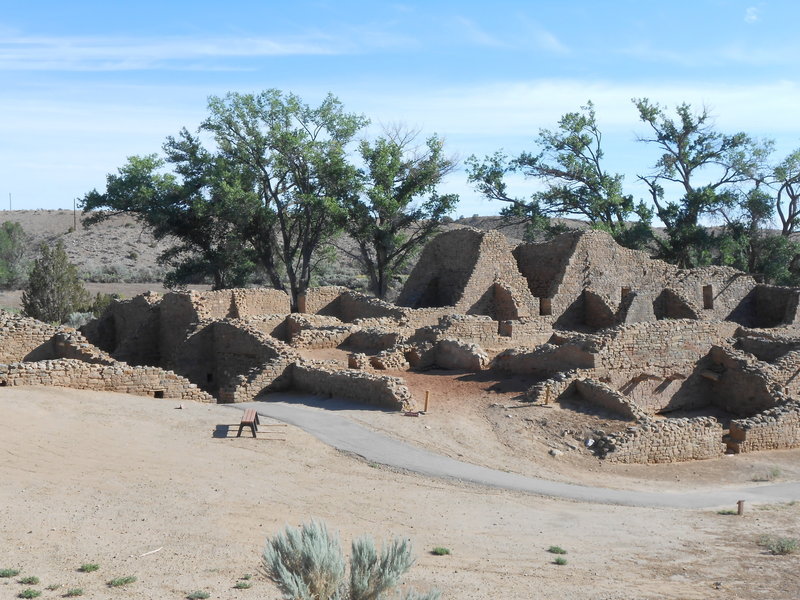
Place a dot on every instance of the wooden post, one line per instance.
(427, 396)
(547, 395)
(740, 507)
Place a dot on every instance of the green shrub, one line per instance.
(120, 581)
(73, 592)
(440, 551)
(88, 567)
(9, 572)
(556, 550)
(560, 560)
(307, 562)
(53, 586)
(54, 290)
(30, 580)
(29, 593)
(243, 585)
(199, 595)
(779, 545)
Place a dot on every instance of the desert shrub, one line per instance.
(54, 290)
(88, 567)
(77, 320)
(29, 593)
(73, 592)
(440, 551)
(199, 595)
(13, 244)
(243, 585)
(560, 560)
(30, 580)
(9, 572)
(556, 550)
(120, 581)
(307, 563)
(779, 545)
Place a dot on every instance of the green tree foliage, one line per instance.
(54, 290)
(307, 563)
(569, 164)
(705, 166)
(196, 205)
(392, 219)
(13, 244)
(296, 157)
(786, 178)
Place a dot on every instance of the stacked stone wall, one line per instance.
(23, 338)
(664, 441)
(774, 429)
(260, 301)
(743, 385)
(358, 386)
(323, 301)
(354, 306)
(119, 377)
(776, 305)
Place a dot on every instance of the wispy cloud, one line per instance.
(476, 35)
(752, 14)
(120, 54)
(548, 41)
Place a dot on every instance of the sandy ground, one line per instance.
(106, 478)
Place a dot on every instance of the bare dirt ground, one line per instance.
(107, 478)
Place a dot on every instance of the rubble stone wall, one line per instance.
(119, 377)
(773, 429)
(664, 441)
(358, 386)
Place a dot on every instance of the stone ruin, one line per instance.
(692, 363)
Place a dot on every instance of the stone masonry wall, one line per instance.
(359, 386)
(119, 377)
(773, 429)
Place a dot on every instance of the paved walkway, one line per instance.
(306, 412)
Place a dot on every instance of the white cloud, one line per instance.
(120, 54)
(476, 35)
(548, 41)
(751, 14)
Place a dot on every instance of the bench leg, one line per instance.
(253, 427)
(241, 426)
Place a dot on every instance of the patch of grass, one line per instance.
(779, 545)
(9, 572)
(560, 560)
(242, 585)
(29, 593)
(247, 576)
(727, 511)
(88, 567)
(72, 593)
(198, 595)
(440, 551)
(556, 550)
(30, 580)
(771, 475)
(53, 586)
(120, 581)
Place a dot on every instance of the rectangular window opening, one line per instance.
(545, 306)
(708, 297)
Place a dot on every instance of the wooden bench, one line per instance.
(249, 419)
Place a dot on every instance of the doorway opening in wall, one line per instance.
(158, 394)
(545, 306)
(708, 297)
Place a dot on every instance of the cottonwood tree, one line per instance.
(704, 165)
(398, 209)
(196, 206)
(786, 178)
(296, 157)
(569, 162)
(54, 290)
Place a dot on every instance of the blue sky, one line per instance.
(83, 85)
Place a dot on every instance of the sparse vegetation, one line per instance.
(29, 593)
(52, 587)
(308, 562)
(73, 592)
(243, 585)
(30, 580)
(54, 290)
(556, 550)
(88, 567)
(440, 551)
(560, 560)
(120, 581)
(779, 545)
(771, 474)
(9, 572)
(199, 595)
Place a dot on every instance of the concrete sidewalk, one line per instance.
(342, 433)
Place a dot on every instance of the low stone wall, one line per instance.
(375, 339)
(21, 336)
(460, 356)
(275, 375)
(119, 377)
(323, 337)
(664, 441)
(773, 429)
(599, 394)
(358, 386)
